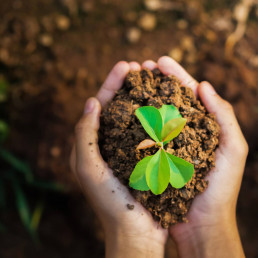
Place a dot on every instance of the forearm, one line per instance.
(121, 245)
(212, 241)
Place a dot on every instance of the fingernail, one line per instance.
(210, 90)
(90, 105)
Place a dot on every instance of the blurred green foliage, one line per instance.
(17, 175)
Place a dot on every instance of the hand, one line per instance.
(128, 233)
(212, 229)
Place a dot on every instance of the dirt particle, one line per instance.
(62, 22)
(130, 206)
(133, 35)
(46, 40)
(147, 21)
(55, 151)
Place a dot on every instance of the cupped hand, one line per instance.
(212, 223)
(212, 214)
(129, 232)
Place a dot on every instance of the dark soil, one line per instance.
(121, 132)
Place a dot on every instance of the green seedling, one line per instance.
(157, 171)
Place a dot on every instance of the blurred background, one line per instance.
(54, 54)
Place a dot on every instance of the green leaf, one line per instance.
(17, 164)
(36, 215)
(158, 172)
(151, 121)
(181, 171)
(169, 112)
(23, 207)
(172, 129)
(137, 179)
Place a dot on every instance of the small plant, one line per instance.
(155, 172)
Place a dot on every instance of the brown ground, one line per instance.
(121, 132)
(53, 63)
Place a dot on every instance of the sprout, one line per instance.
(157, 171)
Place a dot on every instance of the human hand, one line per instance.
(128, 233)
(212, 229)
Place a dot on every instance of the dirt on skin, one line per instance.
(121, 132)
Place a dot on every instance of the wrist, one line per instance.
(216, 238)
(126, 244)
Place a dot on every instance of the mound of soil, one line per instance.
(121, 132)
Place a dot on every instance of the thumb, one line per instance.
(231, 137)
(88, 158)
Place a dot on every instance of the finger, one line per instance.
(231, 137)
(169, 66)
(89, 162)
(134, 66)
(149, 64)
(113, 82)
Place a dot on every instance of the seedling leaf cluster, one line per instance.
(155, 172)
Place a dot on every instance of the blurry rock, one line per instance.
(156, 5)
(82, 73)
(210, 35)
(133, 35)
(222, 23)
(45, 40)
(176, 53)
(187, 43)
(182, 24)
(62, 22)
(152, 5)
(55, 151)
(147, 21)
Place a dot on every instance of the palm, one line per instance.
(137, 217)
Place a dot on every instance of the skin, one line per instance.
(212, 229)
